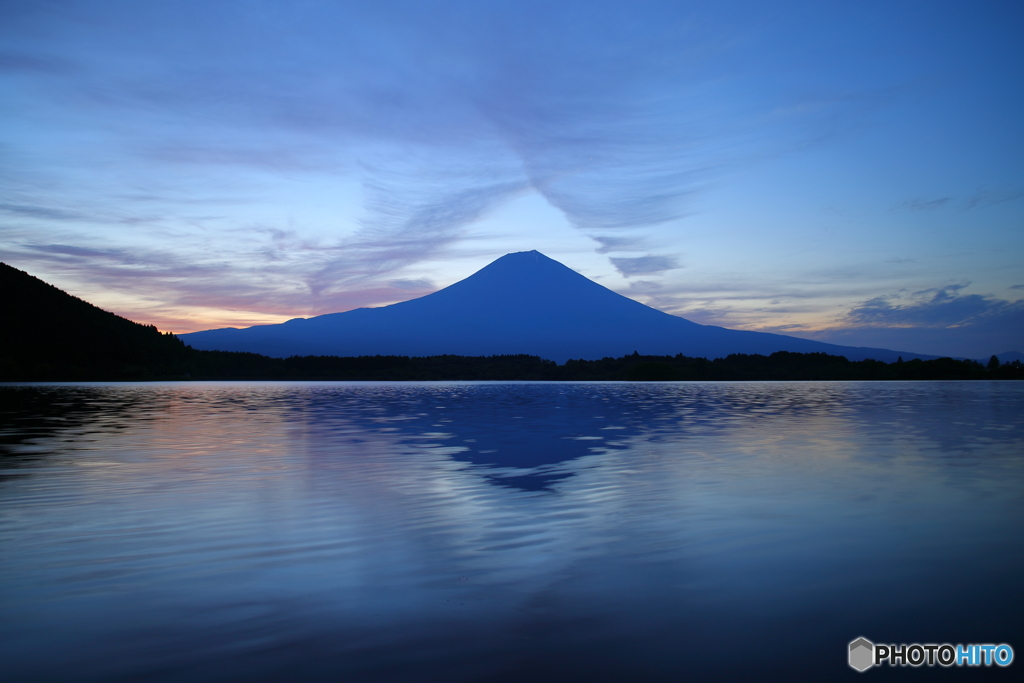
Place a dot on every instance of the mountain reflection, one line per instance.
(512, 435)
(520, 435)
(487, 531)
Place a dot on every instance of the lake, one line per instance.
(460, 531)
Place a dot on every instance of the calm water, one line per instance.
(504, 532)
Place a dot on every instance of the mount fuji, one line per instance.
(522, 303)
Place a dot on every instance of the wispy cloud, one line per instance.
(178, 292)
(936, 307)
(286, 156)
(645, 265)
(33, 63)
(405, 224)
(416, 285)
(939, 320)
(981, 198)
(616, 138)
(645, 287)
(118, 256)
(611, 243)
(925, 204)
(46, 212)
(990, 197)
(174, 145)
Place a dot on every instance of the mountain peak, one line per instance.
(526, 279)
(520, 254)
(521, 303)
(525, 260)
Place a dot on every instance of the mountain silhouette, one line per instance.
(522, 303)
(49, 334)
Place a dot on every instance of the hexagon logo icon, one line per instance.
(862, 654)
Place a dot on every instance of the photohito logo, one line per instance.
(864, 654)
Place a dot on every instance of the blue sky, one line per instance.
(850, 172)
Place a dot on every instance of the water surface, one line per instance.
(503, 531)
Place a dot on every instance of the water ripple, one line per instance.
(499, 531)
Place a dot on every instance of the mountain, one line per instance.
(49, 334)
(522, 303)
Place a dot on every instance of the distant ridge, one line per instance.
(522, 303)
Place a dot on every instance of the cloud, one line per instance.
(285, 156)
(942, 320)
(24, 62)
(607, 111)
(939, 321)
(609, 243)
(645, 287)
(120, 256)
(409, 285)
(176, 291)
(937, 307)
(644, 265)
(990, 197)
(43, 212)
(404, 225)
(619, 114)
(116, 267)
(978, 199)
(925, 204)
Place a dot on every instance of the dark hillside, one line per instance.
(48, 334)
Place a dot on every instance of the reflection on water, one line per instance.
(489, 531)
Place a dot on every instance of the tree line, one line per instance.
(190, 364)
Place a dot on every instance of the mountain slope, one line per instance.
(49, 334)
(522, 303)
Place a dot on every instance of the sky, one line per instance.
(848, 172)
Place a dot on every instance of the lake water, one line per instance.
(505, 531)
